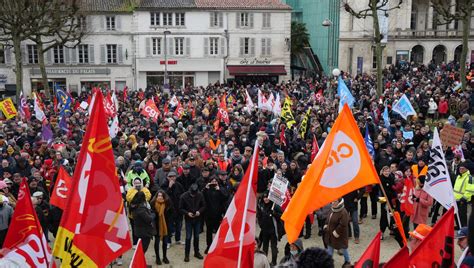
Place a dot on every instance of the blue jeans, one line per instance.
(355, 224)
(176, 226)
(192, 228)
(345, 252)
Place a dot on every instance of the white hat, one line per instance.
(37, 194)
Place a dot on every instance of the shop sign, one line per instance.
(37, 71)
(255, 61)
(170, 62)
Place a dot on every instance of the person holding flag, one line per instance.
(422, 203)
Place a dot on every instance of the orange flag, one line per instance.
(138, 259)
(371, 256)
(341, 166)
(25, 242)
(61, 189)
(437, 249)
(401, 259)
(94, 228)
(399, 223)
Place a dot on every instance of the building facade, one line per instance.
(183, 42)
(413, 36)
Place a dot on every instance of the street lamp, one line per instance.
(328, 23)
(166, 82)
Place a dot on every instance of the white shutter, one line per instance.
(252, 47)
(8, 56)
(119, 54)
(237, 20)
(170, 46)
(118, 23)
(103, 23)
(222, 48)
(206, 46)
(251, 20)
(73, 55)
(269, 47)
(269, 20)
(148, 47)
(66, 55)
(88, 24)
(103, 54)
(221, 19)
(187, 43)
(24, 54)
(91, 54)
(49, 56)
(241, 51)
(211, 19)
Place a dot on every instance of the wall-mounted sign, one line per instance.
(255, 61)
(170, 62)
(37, 71)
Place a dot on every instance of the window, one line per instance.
(155, 19)
(374, 59)
(110, 23)
(246, 46)
(389, 60)
(266, 47)
(167, 19)
(266, 20)
(179, 19)
(214, 45)
(2, 54)
(216, 19)
(58, 54)
(83, 53)
(111, 53)
(82, 23)
(244, 20)
(32, 54)
(156, 46)
(179, 46)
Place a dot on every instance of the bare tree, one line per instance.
(462, 13)
(374, 7)
(60, 25)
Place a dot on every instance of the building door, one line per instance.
(439, 54)
(457, 53)
(120, 85)
(417, 53)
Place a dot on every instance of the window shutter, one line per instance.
(148, 47)
(73, 57)
(103, 54)
(221, 19)
(206, 46)
(237, 20)
(269, 20)
(49, 56)
(91, 54)
(251, 20)
(222, 48)
(264, 47)
(187, 41)
(88, 23)
(252, 47)
(170, 46)
(8, 56)
(103, 23)
(66, 55)
(118, 23)
(241, 53)
(269, 47)
(119, 54)
(211, 19)
(25, 55)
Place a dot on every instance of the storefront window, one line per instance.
(38, 85)
(88, 85)
(177, 79)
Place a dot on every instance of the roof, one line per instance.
(167, 4)
(241, 4)
(106, 5)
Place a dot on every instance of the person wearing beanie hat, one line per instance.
(138, 171)
(292, 253)
(336, 230)
(463, 189)
(137, 187)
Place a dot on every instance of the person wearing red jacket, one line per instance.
(443, 107)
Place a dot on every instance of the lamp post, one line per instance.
(328, 23)
(166, 82)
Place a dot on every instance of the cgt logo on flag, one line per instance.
(8, 108)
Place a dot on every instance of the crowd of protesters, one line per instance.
(181, 173)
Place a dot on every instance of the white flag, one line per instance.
(114, 127)
(264, 103)
(39, 114)
(277, 106)
(174, 101)
(89, 111)
(249, 102)
(438, 183)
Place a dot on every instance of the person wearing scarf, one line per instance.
(336, 230)
(163, 210)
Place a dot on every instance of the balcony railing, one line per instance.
(408, 34)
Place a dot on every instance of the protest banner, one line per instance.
(278, 190)
(451, 136)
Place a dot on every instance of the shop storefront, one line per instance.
(244, 74)
(177, 79)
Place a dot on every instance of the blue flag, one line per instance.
(368, 142)
(344, 94)
(386, 119)
(47, 133)
(64, 101)
(63, 125)
(404, 107)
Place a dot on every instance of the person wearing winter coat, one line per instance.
(268, 217)
(292, 252)
(432, 108)
(164, 210)
(138, 171)
(336, 230)
(192, 205)
(351, 203)
(422, 203)
(387, 182)
(216, 201)
(131, 193)
(174, 190)
(143, 219)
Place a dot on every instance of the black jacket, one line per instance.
(349, 199)
(216, 201)
(174, 193)
(188, 203)
(143, 221)
(269, 219)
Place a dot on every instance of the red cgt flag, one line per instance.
(371, 256)
(238, 224)
(25, 242)
(138, 259)
(61, 189)
(179, 112)
(401, 259)
(437, 249)
(150, 110)
(222, 112)
(315, 148)
(406, 202)
(94, 229)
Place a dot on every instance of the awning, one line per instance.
(242, 70)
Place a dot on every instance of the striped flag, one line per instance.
(368, 142)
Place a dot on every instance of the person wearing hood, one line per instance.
(336, 230)
(137, 187)
(292, 253)
(432, 108)
(268, 218)
(139, 172)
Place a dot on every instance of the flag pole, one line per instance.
(400, 228)
(249, 185)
